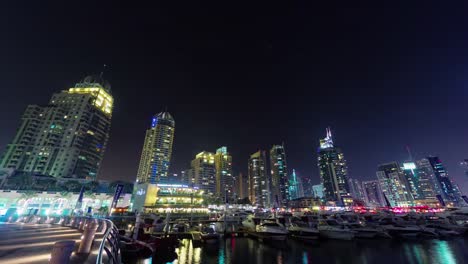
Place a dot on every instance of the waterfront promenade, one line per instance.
(33, 243)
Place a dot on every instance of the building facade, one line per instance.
(157, 150)
(373, 195)
(356, 189)
(333, 170)
(317, 191)
(296, 189)
(443, 184)
(65, 138)
(279, 175)
(394, 185)
(224, 177)
(203, 170)
(259, 184)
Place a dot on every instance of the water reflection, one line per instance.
(248, 251)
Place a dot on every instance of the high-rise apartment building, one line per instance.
(157, 150)
(203, 172)
(394, 185)
(442, 183)
(67, 137)
(259, 184)
(373, 195)
(224, 177)
(333, 170)
(242, 186)
(279, 175)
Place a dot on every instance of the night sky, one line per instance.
(249, 76)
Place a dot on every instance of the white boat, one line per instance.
(302, 231)
(271, 230)
(330, 228)
(249, 223)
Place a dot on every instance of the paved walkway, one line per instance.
(32, 243)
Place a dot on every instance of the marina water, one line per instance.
(243, 250)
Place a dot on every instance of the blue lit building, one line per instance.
(157, 150)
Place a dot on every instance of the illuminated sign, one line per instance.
(409, 166)
(173, 185)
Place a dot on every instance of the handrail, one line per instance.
(109, 244)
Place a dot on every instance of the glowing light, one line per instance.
(103, 100)
(409, 166)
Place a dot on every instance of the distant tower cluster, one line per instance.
(424, 182)
(67, 137)
(333, 170)
(157, 150)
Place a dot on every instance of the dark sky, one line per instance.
(251, 75)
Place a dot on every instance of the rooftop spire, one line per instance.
(327, 142)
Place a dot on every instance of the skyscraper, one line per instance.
(296, 189)
(224, 177)
(259, 184)
(443, 184)
(414, 179)
(203, 171)
(356, 191)
(67, 137)
(333, 170)
(157, 150)
(394, 185)
(241, 183)
(317, 191)
(373, 195)
(279, 175)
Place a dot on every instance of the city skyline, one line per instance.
(218, 78)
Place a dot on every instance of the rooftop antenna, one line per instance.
(103, 70)
(329, 134)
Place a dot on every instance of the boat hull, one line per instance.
(339, 235)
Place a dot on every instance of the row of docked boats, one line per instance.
(348, 226)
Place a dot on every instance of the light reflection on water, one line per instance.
(249, 251)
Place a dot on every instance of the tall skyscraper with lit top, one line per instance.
(203, 170)
(394, 185)
(333, 170)
(224, 177)
(67, 137)
(157, 150)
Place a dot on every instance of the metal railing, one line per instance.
(110, 244)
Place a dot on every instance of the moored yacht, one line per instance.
(330, 228)
(271, 230)
(302, 231)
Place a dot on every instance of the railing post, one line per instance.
(136, 229)
(88, 236)
(82, 224)
(61, 252)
